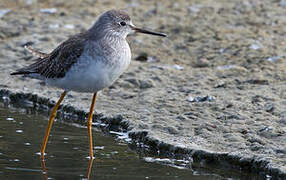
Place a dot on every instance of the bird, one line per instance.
(86, 62)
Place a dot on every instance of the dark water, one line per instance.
(21, 136)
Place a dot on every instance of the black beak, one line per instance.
(148, 31)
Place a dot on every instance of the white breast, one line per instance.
(93, 72)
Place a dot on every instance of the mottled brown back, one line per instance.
(60, 60)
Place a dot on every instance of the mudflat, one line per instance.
(215, 85)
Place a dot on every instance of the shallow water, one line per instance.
(21, 134)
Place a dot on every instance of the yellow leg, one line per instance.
(52, 117)
(89, 124)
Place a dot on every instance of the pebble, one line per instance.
(194, 9)
(220, 84)
(225, 67)
(172, 130)
(178, 67)
(152, 59)
(133, 81)
(69, 26)
(257, 45)
(142, 84)
(49, 10)
(54, 26)
(201, 63)
(143, 57)
(145, 84)
(257, 81)
(275, 58)
(201, 98)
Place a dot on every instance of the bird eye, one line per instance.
(123, 23)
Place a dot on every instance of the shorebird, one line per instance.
(86, 62)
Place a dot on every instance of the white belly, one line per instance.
(91, 75)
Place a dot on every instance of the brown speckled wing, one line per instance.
(60, 60)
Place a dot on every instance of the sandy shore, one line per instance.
(214, 89)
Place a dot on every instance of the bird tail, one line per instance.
(19, 72)
(32, 69)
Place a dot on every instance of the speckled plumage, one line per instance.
(59, 61)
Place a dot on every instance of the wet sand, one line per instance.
(214, 89)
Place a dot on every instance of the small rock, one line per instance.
(234, 69)
(282, 151)
(257, 99)
(221, 50)
(256, 140)
(266, 129)
(225, 67)
(220, 85)
(142, 84)
(254, 46)
(49, 11)
(202, 62)
(172, 130)
(274, 58)
(152, 59)
(178, 67)
(257, 45)
(191, 99)
(54, 26)
(257, 81)
(145, 84)
(127, 95)
(69, 26)
(133, 81)
(283, 121)
(255, 146)
(269, 107)
(181, 118)
(126, 85)
(194, 9)
(142, 57)
(176, 60)
(201, 98)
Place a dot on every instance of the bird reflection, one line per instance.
(44, 169)
(45, 172)
(89, 168)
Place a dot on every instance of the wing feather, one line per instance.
(60, 60)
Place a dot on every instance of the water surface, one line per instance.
(21, 134)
